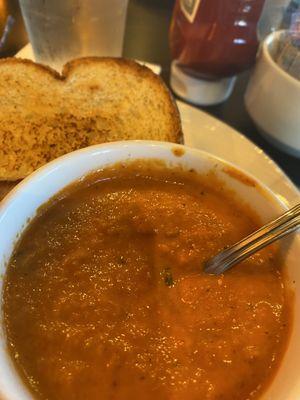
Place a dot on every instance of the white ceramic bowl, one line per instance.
(273, 99)
(21, 205)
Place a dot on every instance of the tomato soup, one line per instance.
(105, 295)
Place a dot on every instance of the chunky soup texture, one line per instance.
(105, 297)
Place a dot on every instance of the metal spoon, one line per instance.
(274, 230)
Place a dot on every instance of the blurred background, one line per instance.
(140, 37)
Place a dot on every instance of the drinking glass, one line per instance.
(61, 30)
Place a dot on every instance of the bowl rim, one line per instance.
(273, 38)
(48, 167)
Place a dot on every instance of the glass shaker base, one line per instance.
(200, 91)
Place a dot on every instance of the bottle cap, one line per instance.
(199, 91)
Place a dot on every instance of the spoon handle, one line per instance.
(274, 230)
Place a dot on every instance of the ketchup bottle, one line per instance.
(211, 42)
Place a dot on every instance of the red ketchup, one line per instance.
(211, 40)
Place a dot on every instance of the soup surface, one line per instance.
(105, 297)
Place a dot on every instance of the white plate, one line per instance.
(205, 132)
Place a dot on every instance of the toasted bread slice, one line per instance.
(44, 115)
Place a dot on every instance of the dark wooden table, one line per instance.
(146, 38)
